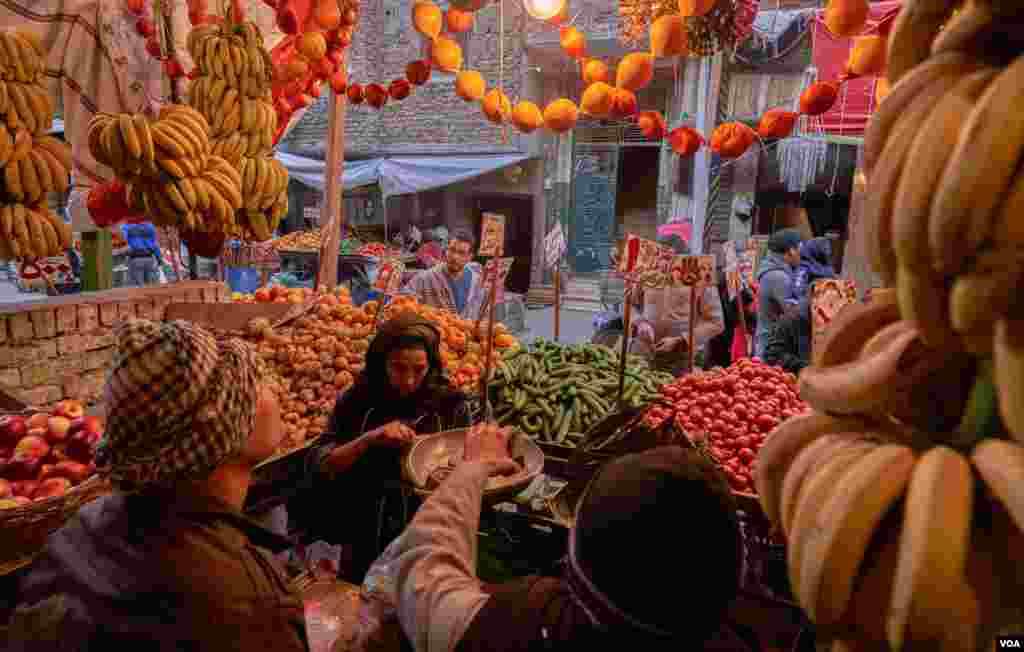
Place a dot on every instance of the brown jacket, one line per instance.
(161, 573)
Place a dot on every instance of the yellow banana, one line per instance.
(852, 328)
(140, 130)
(5, 98)
(839, 537)
(58, 175)
(23, 235)
(924, 300)
(260, 227)
(23, 108)
(167, 139)
(59, 149)
(42, 171)
(6, 222)
(6, 146)
(50, 236)
(193, 144)
(13, 52)
(962, 33)
(202, 193)
(188, 192)
(227, 189)
(171, 167)
(918, 22)
(1000, 464)
(174, 196)
(111, 139)
(12, 181)
(62, 228)
(29, 180)
(22, 145)
(219, 208)
(964, 206)
(1008, 359)
(988, 292)
(35, 229)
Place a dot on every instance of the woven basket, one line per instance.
(24, 530)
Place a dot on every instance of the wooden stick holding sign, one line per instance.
(696, 273)
(554, 250)
(388, 281)
(495, 273)
(637, 258)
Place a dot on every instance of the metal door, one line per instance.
(592, 229)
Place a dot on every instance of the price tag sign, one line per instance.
(733, 280)
(492, 235)
(828, 298)
(497, 269)
(693, 271)
(389, 277)
(554, 245)
(639, 255)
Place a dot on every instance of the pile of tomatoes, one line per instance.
(732, 410)
(375, 250)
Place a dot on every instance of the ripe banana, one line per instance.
(806, 461)
(12, 181)
(29, 180)
(42, 172)
(860, 386)
(49, 234)
(853, 326)
(260, 228)
(22, 145)
(987, 292)
(59, 149)
(929, 153)
(166, 138)
(836, 542)
(933, 547)
(1008, 359)
(1000, 464)
(35, 229)
(924, 300)
(22, 235)
(1008, 230)
(918, 22)
(62, 228)
(23, 108)
(58, 174)
(979, 173)
(6, 146)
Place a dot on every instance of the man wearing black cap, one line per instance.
(775, 283)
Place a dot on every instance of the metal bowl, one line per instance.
(421, 463)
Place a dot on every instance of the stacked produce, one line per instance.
(167, 169)
(281, 294)
(299, 241)
(900, 494)
(376, 250)
(732, 411)
(33, 164)
(233, 93)
(555, 393)
(44, 455)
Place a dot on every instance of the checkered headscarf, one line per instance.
(178, 404)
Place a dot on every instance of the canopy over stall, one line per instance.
(399, 175)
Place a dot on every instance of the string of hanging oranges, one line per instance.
(601, 100)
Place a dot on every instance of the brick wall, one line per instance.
(63, 347)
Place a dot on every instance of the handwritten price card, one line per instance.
(693, 271)
(389, 277)
(554, 245)
(492, 235)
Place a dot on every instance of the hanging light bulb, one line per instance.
(544, 9)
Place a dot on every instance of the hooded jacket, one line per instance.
(775, 289)
(815, 264)
(788, 344)
(160, 573)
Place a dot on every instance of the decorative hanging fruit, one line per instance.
(526, 117)
(496, 106)
(470, 85)
(561, 115)
(418, 72)
(294, 69)
(399, 89)
(354, 92)
(819, 98)
(339, 82)
(652, 124)
(845, 18)
(427, 18)
(635, 71)
(328, 14)
(376, 95)
(597, 100)
(867, 57)
(470, 5)
(732, 139)
(572, 41)
(312, 46)
(668, 36)
(685, 141)
(624, 104)
(458, 20)
(446, 54)
(595, 70)
(776, 123)
(695, 7)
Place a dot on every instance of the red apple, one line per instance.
(59, 452)
(52, 488)
(93, 425)
(336, 55)
(32, 446)
(12, 429)
(58, 430)
(5, 489)
(73, 471)
(26, 488)
(288, 21)
(322, 68)
(173, 69)
(70, 408)
(153, 47)
(38, 420)
(81, 447)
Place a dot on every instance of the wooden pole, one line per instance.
(485, 378)
(558, 299)
(693, 322)
(332, 211)
(626, 326)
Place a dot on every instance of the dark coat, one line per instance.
(160, 573)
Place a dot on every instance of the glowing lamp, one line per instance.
(544, 9)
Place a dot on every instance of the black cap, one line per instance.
(784, 239)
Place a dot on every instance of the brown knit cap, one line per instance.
(179, 404)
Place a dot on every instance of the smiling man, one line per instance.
(456, 283)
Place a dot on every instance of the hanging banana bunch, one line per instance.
(233, 93)
(168, 170)
(32, 164)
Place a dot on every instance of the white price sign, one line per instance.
(554, 245)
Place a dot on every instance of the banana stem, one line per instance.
(981, 416)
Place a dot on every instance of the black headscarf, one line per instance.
(626, 513)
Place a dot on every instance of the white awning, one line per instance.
(400, 175)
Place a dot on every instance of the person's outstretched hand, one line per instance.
(488, 443)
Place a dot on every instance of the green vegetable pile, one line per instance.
(554, 393)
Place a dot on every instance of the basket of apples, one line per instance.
(46, 474)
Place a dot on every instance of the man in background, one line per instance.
(775, 283)
(455, 284)
(144, 257)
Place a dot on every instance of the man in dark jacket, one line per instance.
(168, 561)
(789, 341)
(775, 283)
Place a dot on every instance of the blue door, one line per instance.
(593, 229)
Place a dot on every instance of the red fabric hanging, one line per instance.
(856, 102)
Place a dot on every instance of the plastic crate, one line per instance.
(243, 279)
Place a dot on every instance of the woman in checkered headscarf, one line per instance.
(169, 559)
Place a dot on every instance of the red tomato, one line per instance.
(743, 441)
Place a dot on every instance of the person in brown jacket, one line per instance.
(168, 561)
(653, 563)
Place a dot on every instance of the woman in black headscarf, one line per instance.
(402, 392)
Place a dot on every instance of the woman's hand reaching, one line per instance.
(488, 443)
(393, 434)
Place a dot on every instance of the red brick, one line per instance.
(160, 307)
(21, 327)
(108, 314)
(38, 351)
(145, 309)
(41, 396)
(125, 310)
(71, 344)
(179, 298)
(88, 318)
(67, 319)
(100, 359)
(3, 328)
(44, 322)
(92, 385)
